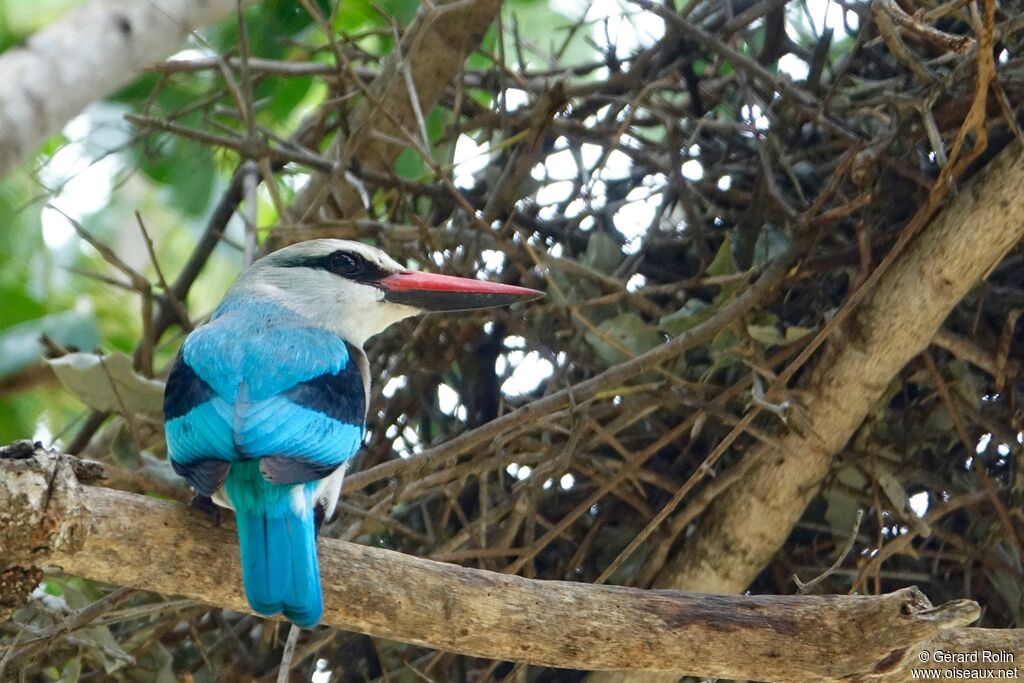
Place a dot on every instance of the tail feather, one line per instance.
(279, 562)
(279, 565)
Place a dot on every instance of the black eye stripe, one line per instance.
(347, 264)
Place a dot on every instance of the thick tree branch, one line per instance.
(48, 518)
(84, 56)
(746, 525)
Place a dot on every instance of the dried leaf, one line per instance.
(109, 383)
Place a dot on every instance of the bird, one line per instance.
(265, 403)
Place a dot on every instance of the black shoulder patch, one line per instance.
(341, 396)
(184, 391)
(205, 476)
(284, 470)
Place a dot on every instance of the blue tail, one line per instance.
(279, 563)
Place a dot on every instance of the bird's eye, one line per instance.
(345, 264)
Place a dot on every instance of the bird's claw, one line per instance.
(206, 505)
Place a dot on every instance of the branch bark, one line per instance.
(84, 56)
(747, 524)
(47, 517)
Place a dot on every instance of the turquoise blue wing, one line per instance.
(308, 430)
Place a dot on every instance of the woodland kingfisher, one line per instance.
(266, 403)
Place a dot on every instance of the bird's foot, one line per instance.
(206, 505)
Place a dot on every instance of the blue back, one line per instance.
(260, 381)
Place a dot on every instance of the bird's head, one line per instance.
(357, 291)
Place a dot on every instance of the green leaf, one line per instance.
(354, 15)
(693, 312)
(188, 171)
(628, 331)
(840, 512)
(403, 11)
(122, 446)
(284, 95)
(771, 243)
(480, 59)
(537, 21)
(18, 416)
(72, 671)
(852, 477)
(109, 383)
(603, 253)
(723, 263)
(269, 26)
(765, 329)
(409, 165)
(25, 18)
(18, 307)
(966, 382)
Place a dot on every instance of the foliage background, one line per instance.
(590, 150)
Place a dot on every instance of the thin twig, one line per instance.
(804, 588)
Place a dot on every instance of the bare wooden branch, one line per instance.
(48, 518)
(959, 44)
(748, 523)
(85, 55)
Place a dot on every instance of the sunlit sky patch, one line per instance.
(753, 114)
(447, 399)
(919, 503)
(81, 186)
(561, 165)
(983, 443)
(634, 217)
(528, 371)
(794, 66)
(515, 98)
(635, 282)
(470, 158)
(321, 675)
(553, 193)
(628, 28)
(393, 386)
(407, 443)
(493, 261)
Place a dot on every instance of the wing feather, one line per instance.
(263, 385)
